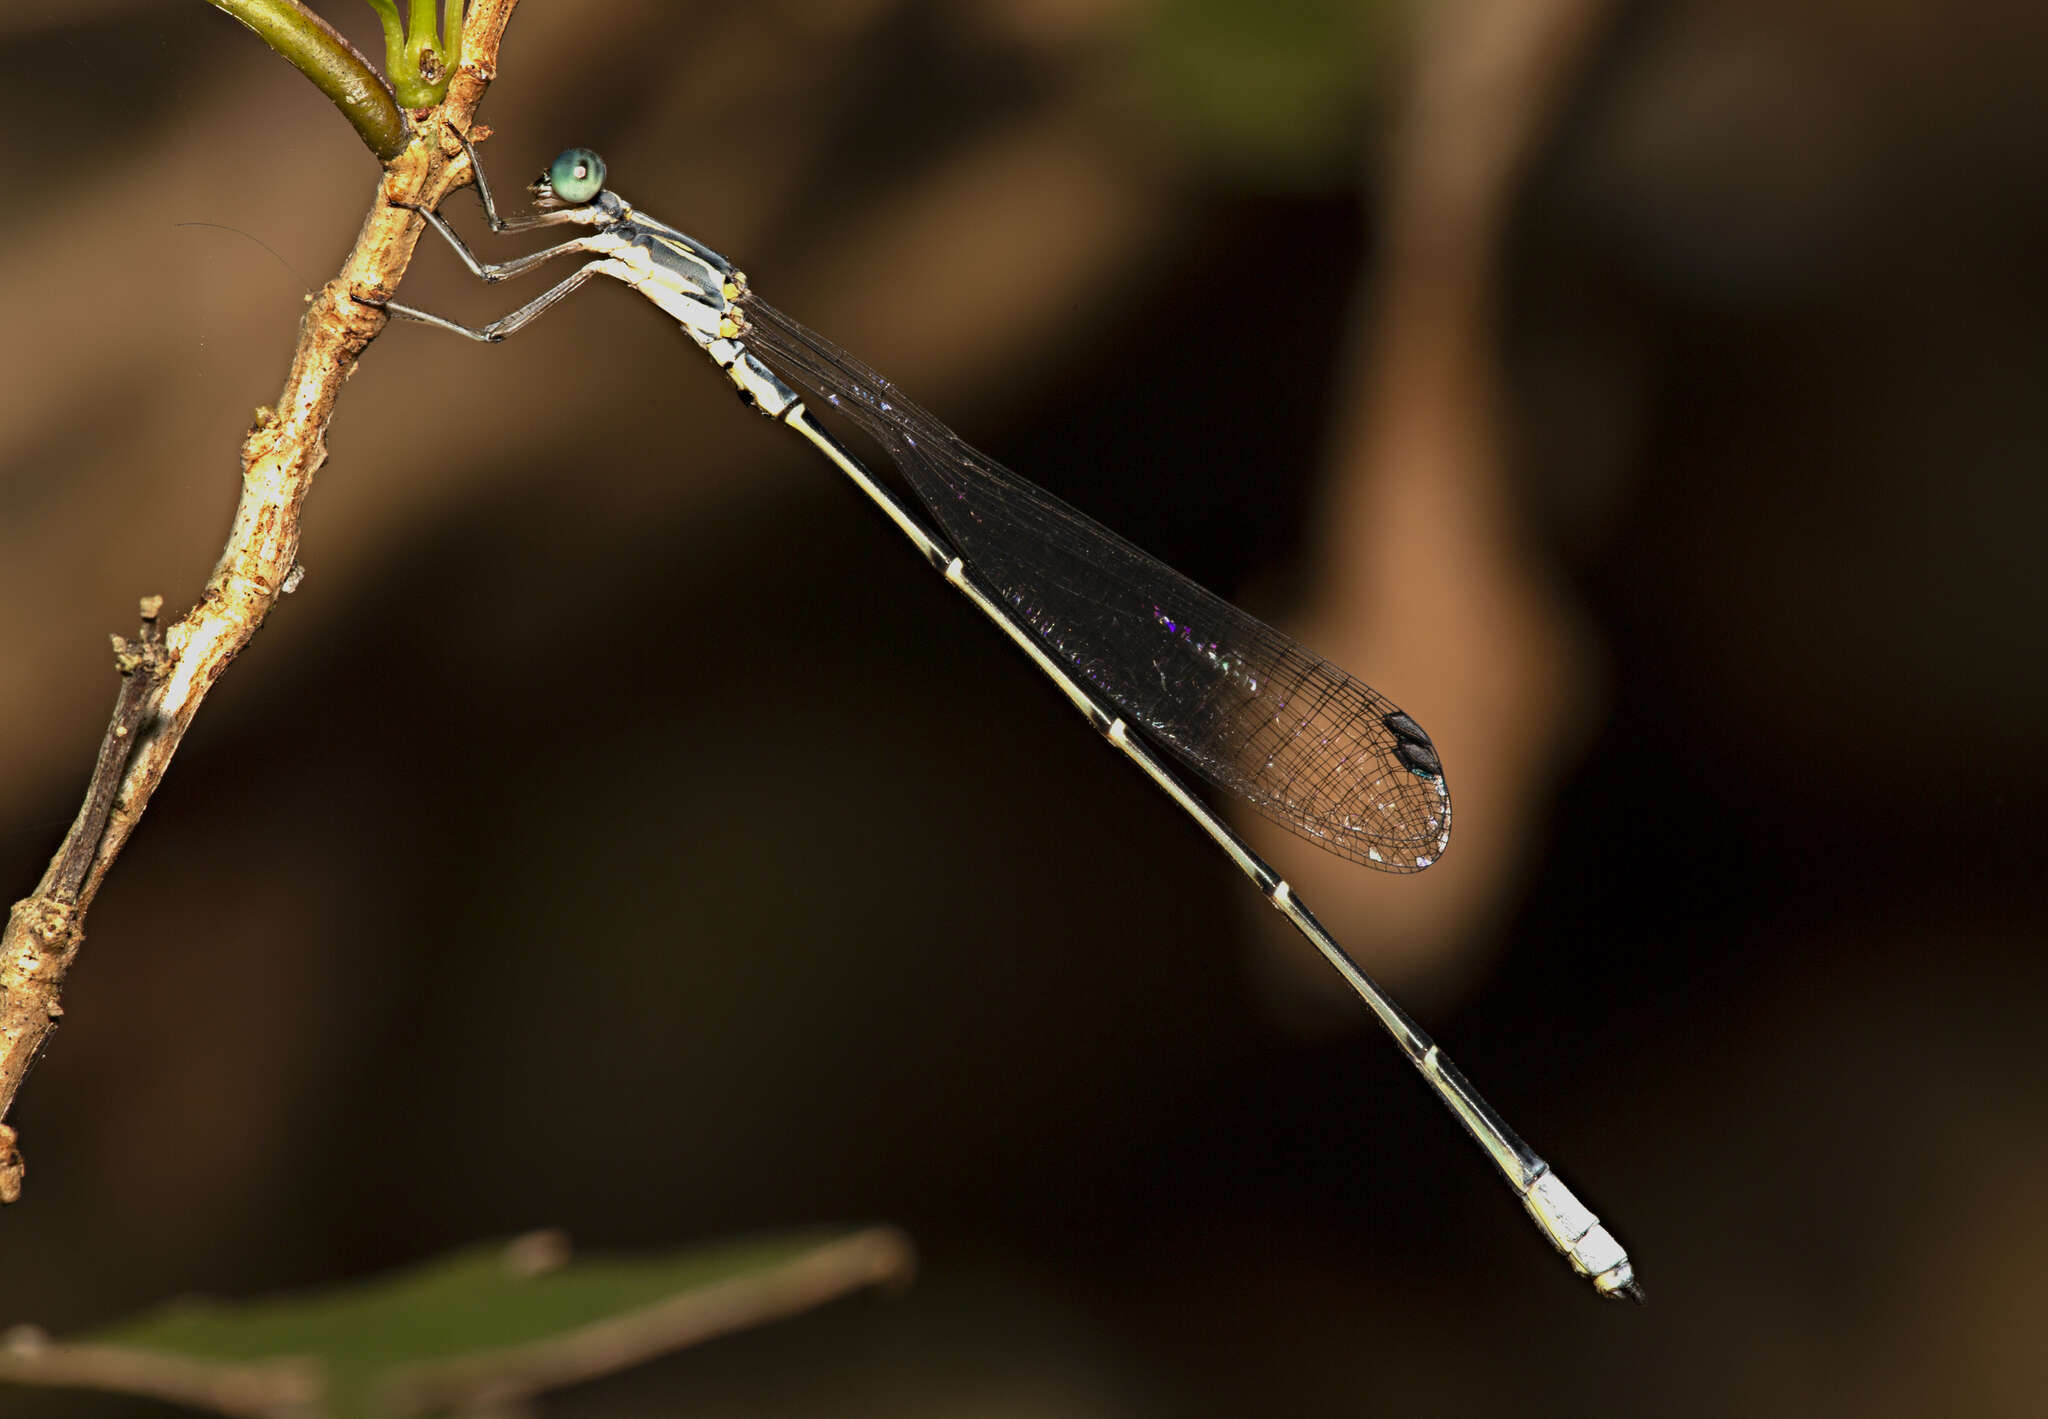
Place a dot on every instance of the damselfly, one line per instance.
(1155, 663)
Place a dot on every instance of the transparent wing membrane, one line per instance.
(1240, 704)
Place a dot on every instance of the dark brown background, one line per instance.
(619, 831)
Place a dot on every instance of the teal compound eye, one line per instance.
(576, 176)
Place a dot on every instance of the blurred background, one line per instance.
(620, 830)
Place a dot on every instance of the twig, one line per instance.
(42, 933)
(498, 1379)
(262, 1390)
(172, 673)
(493, 1382)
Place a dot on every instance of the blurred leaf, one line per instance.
(1275, 91)
(495, 1322)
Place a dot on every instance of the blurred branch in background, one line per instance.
(284, 449)
(482, 1331)
(1426, 579)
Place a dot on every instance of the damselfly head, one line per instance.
(571, 180)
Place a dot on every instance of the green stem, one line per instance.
(451, 25)
(394, 33)
(420, 63)
(315, 49)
